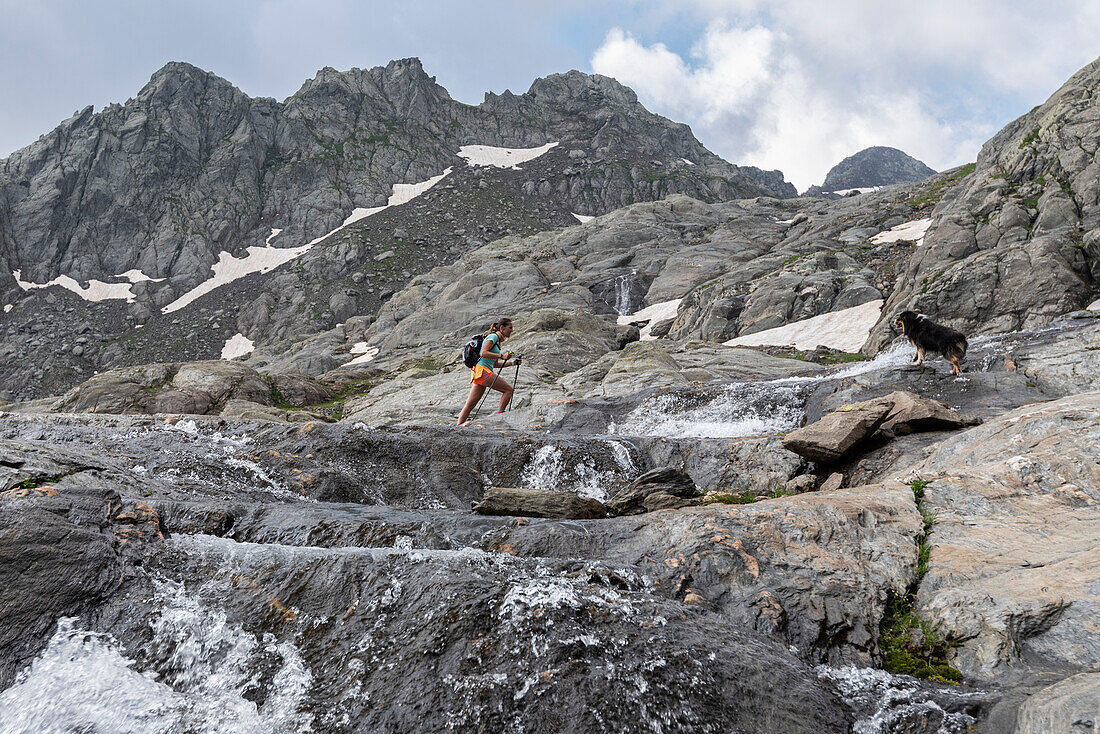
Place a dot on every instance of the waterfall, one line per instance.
(624, 303)
(202, 676)
(588, 474)
(740, 409)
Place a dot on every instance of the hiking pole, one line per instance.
(515, 381)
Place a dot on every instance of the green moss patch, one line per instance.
(911, 645)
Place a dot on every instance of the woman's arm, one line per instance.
(487, 349)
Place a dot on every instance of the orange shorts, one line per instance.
(482, 375)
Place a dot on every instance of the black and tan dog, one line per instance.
(928, 336)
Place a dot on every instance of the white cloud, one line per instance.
(799, 85)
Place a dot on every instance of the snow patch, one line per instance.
(1094, 306)
(690, 163)
(858, 189)
(582, 218)
(488, 155)
(402, 194)
(7, 307)
(912, 231)
(366, 353)
(846, 330)
(655, 313)
(97, 290)
(237, 345)
(228, 269)
(265, 259)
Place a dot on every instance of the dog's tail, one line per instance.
(955, 350)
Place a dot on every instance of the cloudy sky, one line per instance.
(790, 84)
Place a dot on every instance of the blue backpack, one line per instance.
(471, 353)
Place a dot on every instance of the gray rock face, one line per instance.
(1011, 574)
(1072, 704)
(1017, 244)
(876, 166)
(196, 388)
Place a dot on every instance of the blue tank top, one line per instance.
(495, 338)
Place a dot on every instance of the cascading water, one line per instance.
(556, 469)
(888, 703)
(742, 408)
(199, 674)
(624, 301)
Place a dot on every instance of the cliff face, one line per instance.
(192, 168)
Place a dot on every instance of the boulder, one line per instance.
(248, 410)
(834, 482)
(538, 503)
(911, 413)
(300, 391)
(657, 489)
(834, 436)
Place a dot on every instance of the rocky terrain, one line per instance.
(723, 499)
(870, 168)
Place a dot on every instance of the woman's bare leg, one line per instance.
(506, 390)
(476, 391)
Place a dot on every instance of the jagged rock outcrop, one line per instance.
(871, 167)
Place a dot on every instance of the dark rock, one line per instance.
(538, 503)
(877, 166)
(657, 489)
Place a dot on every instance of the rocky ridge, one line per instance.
(1024, 225)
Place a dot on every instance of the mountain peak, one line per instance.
(573, 86)
(875, 166)
(178, 76)
(399, 78)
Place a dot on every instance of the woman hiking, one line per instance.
(483, 377)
